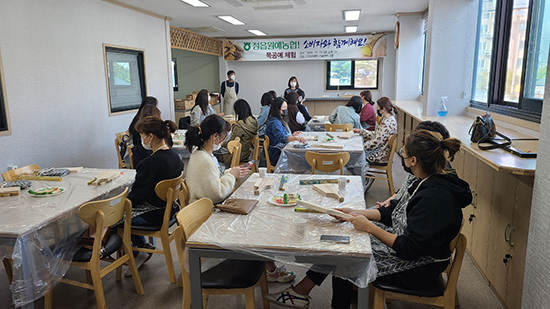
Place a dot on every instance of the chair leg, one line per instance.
(390, 183)
(98, 286)
(249, 297)
(119, 269)
(186, 290)
(168, 257)
(48, 299)
(265, 290)
(378, 299)
(8, 266)
(89, 277)
(457, 304)
(133, 269)
(204, 301)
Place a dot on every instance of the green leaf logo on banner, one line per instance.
(247, 46)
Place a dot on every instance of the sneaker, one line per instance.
(289, 298)
(280, 274)
(141, 258)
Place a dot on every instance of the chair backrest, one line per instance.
(168, 190)
(338, 127)
(378, 119)
(184, 194)
(255, 152)
(393, 146)
(193, 216)
(327, 162)
(111, 209)
(234, 148)
(459, 248)
(12, 175)
(130, 150)
(270, 167)
(119, 142)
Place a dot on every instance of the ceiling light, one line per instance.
(196, 3)
(232, 20)
(350, 29)
(257, 32)
(352, 15)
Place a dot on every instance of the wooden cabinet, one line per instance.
(323, 107)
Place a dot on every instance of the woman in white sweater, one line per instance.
(204, 178)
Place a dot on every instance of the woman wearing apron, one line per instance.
(229, 90)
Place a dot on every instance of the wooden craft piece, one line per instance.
(75, 169)
(319, 181)
(346, 135)
(311, 137)
(328, 190)
(262, 184)
(331, 146)
(47, 178)
(282, 184)
(319, 208)
(10, 191)
(105, 177)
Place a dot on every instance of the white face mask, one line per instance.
(232, 77)
(209, 98)
(146, 146)
(292, 84)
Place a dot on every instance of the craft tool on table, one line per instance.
(282, 184)
(319, 181)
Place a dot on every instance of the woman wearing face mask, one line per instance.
(410, 239)
(294, 86)
(296, 120)
(203, 174)
(368, 116)
(278, 131)
(138, 151)
(163, 163)
(245, 128)
(230, 92)
(202, 108)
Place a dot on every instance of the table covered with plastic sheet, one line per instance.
(317, 123)
(268, 232)
(39, 233)
(293, 160)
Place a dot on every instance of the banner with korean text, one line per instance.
(314, 48)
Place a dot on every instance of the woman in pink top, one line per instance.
(367, 117)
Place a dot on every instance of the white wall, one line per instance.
(54, 75)
(257, 77)
(409, 56)
(450, 54)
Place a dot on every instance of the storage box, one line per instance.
(179, 104)
(189, 97)
(189, 104)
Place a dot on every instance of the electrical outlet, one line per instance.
(11, 167)
(464, 94)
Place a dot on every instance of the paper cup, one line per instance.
(262, 171)
(342, 183)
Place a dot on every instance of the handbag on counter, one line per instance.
(484, 130)
(238, 205)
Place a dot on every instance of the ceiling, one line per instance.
(282, 17)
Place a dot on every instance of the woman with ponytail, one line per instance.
(368, 116)
(163, 163)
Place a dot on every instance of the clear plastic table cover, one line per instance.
(269, 231)
(293, 160)
(40, 233)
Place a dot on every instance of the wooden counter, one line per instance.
(459, 126)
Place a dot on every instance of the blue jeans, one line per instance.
(138, 240)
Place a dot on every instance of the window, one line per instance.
(424, 50)
(175, 74)
(4, 117)
(352, 74)
(511, 56)
(125, 72)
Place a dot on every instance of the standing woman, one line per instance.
(368, 116)
(230, 92)
(294, 86)
(245, 128)
(296, 120)
(204, 178)
(348, 113)
(202, 108)
(377, 148)
(266, 101)
(138, 151)
(278, 131)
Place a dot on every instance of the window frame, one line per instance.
(525, 108)
(142, 74)
(4, 112)
(328, 87)
(175, 74)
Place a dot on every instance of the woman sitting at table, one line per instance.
(296, 120)
(278, 131)
(267, 98)
(377, 148)
(245, 128)
(368, 116)
(410, 242)
(348, 113)
(147, 208)
(202, 108)
(137, 150)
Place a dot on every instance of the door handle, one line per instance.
(510, 236)
(506, 233)
(474, 199)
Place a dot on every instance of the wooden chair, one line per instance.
(229, 277)
(12, 175)
(270, 168)
(443, 295)
(338, 127)
(184, 194)
(167, 190)
(120, 139)
(255, 153)
(103, 214)
(385, 168)
(378, 119)
(235, 148)
(327, 162)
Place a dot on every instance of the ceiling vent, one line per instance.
(206, 29)
(274, 7)
(300, 2)
(235, 3)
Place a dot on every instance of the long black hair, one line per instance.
(274, 111)
(267, 98)
(242, 109)
(202, 100)
(196, 136)
(146, 101)
(356, 103)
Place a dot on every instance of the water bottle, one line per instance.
(443, 107)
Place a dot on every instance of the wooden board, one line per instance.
(47, 178)
(328, 190)
(319, 208)
(104, 177)
(330, 146)
(346, 135)
(319, 181)
(262, 184)
(10, 191)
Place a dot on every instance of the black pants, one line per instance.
(342, 290)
